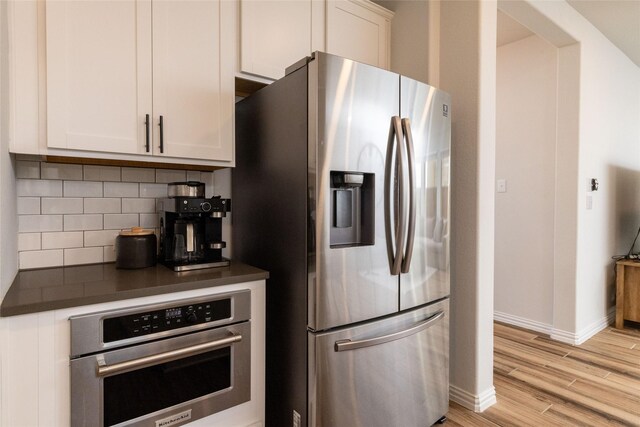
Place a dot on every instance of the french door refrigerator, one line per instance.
(341, 191)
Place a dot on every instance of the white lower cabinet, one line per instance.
(34, 363)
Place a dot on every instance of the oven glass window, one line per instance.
(140, 392)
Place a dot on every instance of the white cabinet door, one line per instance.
(274, 35)
(98, 74)
(359, 30)
(191, 90)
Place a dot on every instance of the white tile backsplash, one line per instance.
(60, 171)
(101, 173)
(38, 188)
(29, 242)
(100, 238)
(83, 256)
(71, 214)
(170, 175)
(62, 240)
(120, 189)
(109, 254)
(82, 189)
(40, 259)
(138, 205)
(149, 220)
(104, 205)
(27, 169)
(61, 205)
(28, 206)
(38, 223)
(82, 222)
(153, 190)
(120, 221)
(138, 175)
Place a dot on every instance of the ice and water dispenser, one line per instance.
(352, 209)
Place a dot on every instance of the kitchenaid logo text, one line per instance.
(174, 419)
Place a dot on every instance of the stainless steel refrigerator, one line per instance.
(341, 191)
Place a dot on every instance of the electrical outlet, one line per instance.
(501, 185)
(296, 419)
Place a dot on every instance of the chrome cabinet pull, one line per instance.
(143, 362)
(146, 126)
(346, 345)
(411, 230)
(161, 124)
(395, 138)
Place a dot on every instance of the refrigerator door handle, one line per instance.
(411, 230)
(346, 345)
(394, 254)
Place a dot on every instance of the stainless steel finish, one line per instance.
(428, 110)
(403, 382)
(218, 214)
(191, 240)
(104, 370)
(411, 229)
(347, 345)
(354, 104)
(186, 189)
(218, 245)
(86, 329)
(393, 239)
(86, 386)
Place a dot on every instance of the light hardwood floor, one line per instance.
(541, 382)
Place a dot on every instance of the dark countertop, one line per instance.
(34, 291)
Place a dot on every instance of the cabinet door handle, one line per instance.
(161, 135)
(146, 128)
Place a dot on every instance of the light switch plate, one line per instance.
(501, 186)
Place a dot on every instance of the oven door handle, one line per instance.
(143, 362)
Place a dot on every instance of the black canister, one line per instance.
(136, 248)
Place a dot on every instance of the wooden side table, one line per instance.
(627, 292)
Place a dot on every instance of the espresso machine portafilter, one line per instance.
(191, 228)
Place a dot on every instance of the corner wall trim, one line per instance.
(586, 333)
(476, 403)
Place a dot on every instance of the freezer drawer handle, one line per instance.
(130, 365)
(345, 345)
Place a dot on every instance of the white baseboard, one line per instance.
(573, 338)
(521, 322)
(586, 333)
(476, 403)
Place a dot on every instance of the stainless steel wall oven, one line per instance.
(161, 365)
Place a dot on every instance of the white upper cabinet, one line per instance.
(110, 65)
(98, 75)
(359, 30)
(274, 34)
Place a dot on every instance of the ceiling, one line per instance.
(618, 20)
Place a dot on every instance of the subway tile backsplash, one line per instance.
(70, 214)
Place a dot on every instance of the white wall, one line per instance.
(526, 81)
(8, 219)
(467, 72)
(409, 37)
(607, 98)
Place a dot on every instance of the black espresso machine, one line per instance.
(191, 227)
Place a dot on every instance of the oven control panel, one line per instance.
(165, 319)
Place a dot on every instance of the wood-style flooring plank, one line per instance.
(543, 382)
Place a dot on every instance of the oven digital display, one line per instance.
(172, 313)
